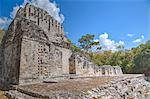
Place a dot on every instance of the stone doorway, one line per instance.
(103, 71)
(72, 68)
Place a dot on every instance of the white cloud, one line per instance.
(66, 33)
(121, 43)
(130, 35)
(108, 44)
(96, 40)
(50, 7)
(13, 13)
(4, 22)
(142, 36)
(16, 8)
(138, 40)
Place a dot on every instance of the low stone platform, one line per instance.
(65, 87)
(120, 87)
(68, 85)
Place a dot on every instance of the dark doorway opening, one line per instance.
(72, 68)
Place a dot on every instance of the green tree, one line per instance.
(73, 47)
(86, 42)
(102, 58)
(142, 59)
(120, 47)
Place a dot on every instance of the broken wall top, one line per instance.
(35, 23)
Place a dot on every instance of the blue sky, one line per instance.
(111, 21)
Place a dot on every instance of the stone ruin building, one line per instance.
(35, 48)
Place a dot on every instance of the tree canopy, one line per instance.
(87, 42)
(135, 60)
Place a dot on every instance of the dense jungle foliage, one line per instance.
(135, 60)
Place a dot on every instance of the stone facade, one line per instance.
(81, 65)
(34, 48)
(41, 18)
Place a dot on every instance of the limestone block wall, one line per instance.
(42, 19)
(97, 71)
(29, 55)
(28, 61)
(11, 46)
(11, 63)
(117, 70)
(39, 61)
(107, 70)
(82, 66)
(66, 54)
